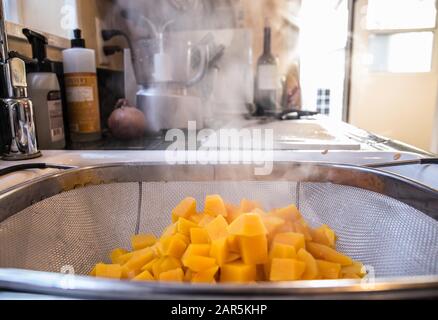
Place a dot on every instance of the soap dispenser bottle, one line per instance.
(44, 89)
(82, 91)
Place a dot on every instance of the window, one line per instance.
(401, 14)
(57, 17)
(401, 35)
(323, 101)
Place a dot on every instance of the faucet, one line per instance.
(18, 136)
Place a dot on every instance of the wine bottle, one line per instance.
(266, 82)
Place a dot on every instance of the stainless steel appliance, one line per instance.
(18, 137)
(69, 221)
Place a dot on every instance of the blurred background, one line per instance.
(370, 63)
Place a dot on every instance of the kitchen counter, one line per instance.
(318, 140)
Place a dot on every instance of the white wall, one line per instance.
(400, 106)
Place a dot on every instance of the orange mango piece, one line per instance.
(291, 238)
(279, 250)
(175, 275)
(254, 250)
(286, 269)
(205, 220)
(184, 209)
(324, 235)
(215, 206)
(169, 231)
(188, 275)
(249, 205)
(199, 263)
(197, 250)
(233, 243)
(205, 276)
(199, 235)
(302, 227)
(328, 270)
(183, 226)
(133, 266)
(116, 254)
(124, 258)
(248, 225)
(196, 218)
(219, 251)
(289, 213)
(113, 271)
(323, 252)
(232, 212)
(173, 246)
(311, 272)
(218, 228)
(272, 223)
(232, 257)
(144, 276)
(356, 268)
(238, 272)
(141, 241)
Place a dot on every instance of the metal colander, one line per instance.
(71, 221)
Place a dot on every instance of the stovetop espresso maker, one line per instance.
(17, 126)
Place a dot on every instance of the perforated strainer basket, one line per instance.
(65, 223)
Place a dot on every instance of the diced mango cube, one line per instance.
(173, 246)
(199, 235)
(291, 238)
(254, 250)
(238, 272)
(218, 228)
(323, 252)
(116, 254)
(196, 218)
(219, 250)
(205, 219)
(233, 243)
(184, 226)
(197, 250)
(286, 269)
(198, 263)
(324, 235)
(350, 276)
(214, 206)
(184, 209)
(284, 251)
(356, 268)
(302, 227)
(289, 213)
(124, 258)
(139, 258)
(248, 225)
(188, 275)
(141, 241)
(249, 205)
(233, 257)
(205, 276)
(328, 270)
(113, 271)
(169, 231)
(175, 275)
(232, 212)
(148, 266)
(311, 271)
(279, 250)
(144, 276)
(272, 223)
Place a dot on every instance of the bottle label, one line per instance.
(56, 120)
(83, 102)
(267, 77)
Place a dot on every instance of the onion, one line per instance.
(126, 122)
